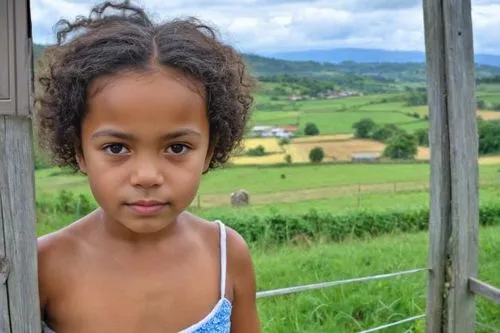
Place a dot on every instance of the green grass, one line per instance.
(274, 118)
(267, 179)
(341, 122)
(386, 107)
(345, 204)
(352, 308)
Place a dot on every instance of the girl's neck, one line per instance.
(115, 232)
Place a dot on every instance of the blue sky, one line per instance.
(286, 25)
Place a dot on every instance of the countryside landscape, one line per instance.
(336, 165)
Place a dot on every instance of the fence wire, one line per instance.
(375, 329)
(487, 327)
(292, 290)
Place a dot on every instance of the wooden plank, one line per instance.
(18, 211)
(4, 304)
(7, 72)
(440, 186)
(485, 290)
(23, 57)
(464, 163)
(454, 173)
(4, 52)
(19, 305)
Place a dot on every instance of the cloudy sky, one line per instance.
(263, 26)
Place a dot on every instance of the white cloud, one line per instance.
(278, 25)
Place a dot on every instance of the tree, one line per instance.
(363, 128)
(284, 141)
(422, 136)
(383, 133)
(417, 98)
(481, 104)
(316, 155)
(288, 158)
(311, 129)
(489, 137)
(257, 151)
(402, 146)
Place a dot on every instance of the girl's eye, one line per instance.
(177, 149)
(116, 149)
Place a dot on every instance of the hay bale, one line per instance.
(240, 198)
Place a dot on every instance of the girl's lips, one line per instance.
(147, 207)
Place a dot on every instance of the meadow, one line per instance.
(286, 196)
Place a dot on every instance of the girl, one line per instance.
(143, 110)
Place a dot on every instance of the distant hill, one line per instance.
(369, 56)
(353, 66)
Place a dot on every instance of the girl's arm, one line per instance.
(244, 318)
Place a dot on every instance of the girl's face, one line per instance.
(145, 144)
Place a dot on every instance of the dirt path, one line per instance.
(219, 200)
(215, 200)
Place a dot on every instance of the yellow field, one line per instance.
(270, 144)
(266, 159)
(321, 138)
(334, 150)
(489, 115)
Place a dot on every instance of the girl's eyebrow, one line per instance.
(130, 137)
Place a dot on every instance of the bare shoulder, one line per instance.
(56, 257)
(238, 250)
(245, 318)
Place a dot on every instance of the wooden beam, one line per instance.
(19, 304)
(440, 174)
(485, 290)
(454, 193)
(464, 164)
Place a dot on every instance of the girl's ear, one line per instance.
(208, 158)
(80, 159)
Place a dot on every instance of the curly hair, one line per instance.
(108, 44)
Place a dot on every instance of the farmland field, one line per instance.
(357, 307)
(344, 190)
(300, 183)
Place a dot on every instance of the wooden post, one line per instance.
(19, 305)
(454, 203)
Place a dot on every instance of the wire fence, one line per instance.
(321, 285)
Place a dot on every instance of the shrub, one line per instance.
(402, 146)
(257, 151)
(280, 227)
(311, 129)
(284, 141)
(316, 155)
(363, 128)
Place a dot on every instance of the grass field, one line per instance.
(340, 187)
(341, 122)
(335, 201)
(336, 116)
(357, 307)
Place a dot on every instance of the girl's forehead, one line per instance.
(156, 97)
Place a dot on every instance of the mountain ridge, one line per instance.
(367, 55)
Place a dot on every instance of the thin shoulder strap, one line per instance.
(223, 258)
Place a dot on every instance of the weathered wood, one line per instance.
(464, 163)
(4, 300)
(23, 56)
(485, 290)
(7, 70)
(454, 172)
(18, 211)
(19, 305)
(440, 187)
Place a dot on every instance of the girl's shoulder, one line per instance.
(240, 268)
